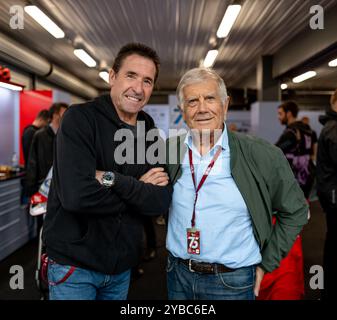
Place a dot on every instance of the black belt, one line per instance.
(204, 267)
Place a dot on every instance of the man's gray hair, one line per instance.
(198, 75)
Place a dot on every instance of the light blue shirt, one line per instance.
(226, 233)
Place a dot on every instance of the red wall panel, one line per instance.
(31, 102)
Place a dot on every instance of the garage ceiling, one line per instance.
(180, 31)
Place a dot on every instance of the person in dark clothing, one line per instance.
(41, 151)
(40, 121)
(93, 229)
(296, 142)
(326, 191)
(306, 121)
(40, 158)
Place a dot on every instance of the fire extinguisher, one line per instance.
(5, 74)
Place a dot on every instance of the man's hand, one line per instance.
(259, 277)
(156, 176)
(99, 176)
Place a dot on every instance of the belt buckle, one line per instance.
(190, 265)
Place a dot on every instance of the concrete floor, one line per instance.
(152, 285)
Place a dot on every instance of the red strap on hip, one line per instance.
(69, 273)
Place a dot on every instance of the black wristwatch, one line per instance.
(108, 179)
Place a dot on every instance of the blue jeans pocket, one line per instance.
(241, 279)
(58, 273)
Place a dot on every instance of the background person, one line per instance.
(327, 194)
(42, 149)
(40, 121)
(306, 121)
(41, 152)
(296, 142)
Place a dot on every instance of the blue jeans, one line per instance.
(183, 284)
(85, 284)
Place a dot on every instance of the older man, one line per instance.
(226, 186)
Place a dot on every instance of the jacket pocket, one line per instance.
(84, 237)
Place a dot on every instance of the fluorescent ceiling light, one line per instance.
(210, 58)
(10, 86)
(228, 20)
(85, 57)
(104, 75)
(333, 63)
(44, 21)
(284, 86)
(304, 76)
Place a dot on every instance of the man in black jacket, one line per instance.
(326, 190)
(93, 230)
(296, 142)
(40, 121)
(41, 151)
(28, 133)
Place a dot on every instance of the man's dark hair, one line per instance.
(139, 49)
(43, 115)
(56, 107)
(290, 106)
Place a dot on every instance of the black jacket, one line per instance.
(297, 143)
(327, 162)
(27, 138)
(288, 141)
(40, 159)
(87, 225)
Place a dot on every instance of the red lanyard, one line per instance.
(203, 179)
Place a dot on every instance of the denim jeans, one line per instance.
(183, 284)
(85, 284)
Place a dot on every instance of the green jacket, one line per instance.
(267, 184)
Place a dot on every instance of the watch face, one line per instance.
(108, 179)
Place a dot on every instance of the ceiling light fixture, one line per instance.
(210, 58)
(85, 57)
(284, 86)
(104, 75)
(304, 76)
(333, 63)
(10, 86)
(228, 20)
(41, 18)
